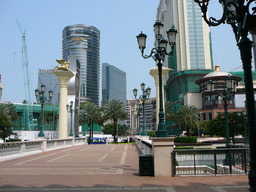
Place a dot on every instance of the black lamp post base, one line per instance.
(252, 176)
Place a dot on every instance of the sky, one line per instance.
(119, 21)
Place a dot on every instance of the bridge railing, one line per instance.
(15, 148)
(144, 146)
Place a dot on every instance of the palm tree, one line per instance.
(90, 113)
(169, 114)
(7, 115)
(188, 118)
(114, 110)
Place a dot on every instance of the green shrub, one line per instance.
(191, 139)
(220, 147)
(184, 147)
(14, 140)
(151, 133)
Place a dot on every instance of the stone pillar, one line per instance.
(154, 73)
(64, 77)
(162, 148)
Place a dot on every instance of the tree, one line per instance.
(90, 113)
(114, 110)
(169, 114)
(235, 122)
(110, 129)
(188, 118)
(7, 115)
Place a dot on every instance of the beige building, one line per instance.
(193, 38)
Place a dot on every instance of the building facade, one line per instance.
(49, 79)
(83, 41)
(113, 84)
(135, 116)
(191, 59)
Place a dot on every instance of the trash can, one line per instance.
(146, 166)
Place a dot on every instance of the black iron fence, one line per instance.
(210, 161)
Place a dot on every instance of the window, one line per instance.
(204, 116)
(210, 115)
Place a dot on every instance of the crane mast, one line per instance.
(28, 111)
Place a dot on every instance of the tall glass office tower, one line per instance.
(83, 41)
(113, 84)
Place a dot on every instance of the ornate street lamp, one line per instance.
(241, 15)
(138, 111)
(145, 96)
(158, 53)
(70, 110)
(41, 99)
(226, 92)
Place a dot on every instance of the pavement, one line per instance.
(96, 168)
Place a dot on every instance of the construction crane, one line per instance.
(28, 111)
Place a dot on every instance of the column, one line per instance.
(64, 77)
(162, 148)
(154, 73)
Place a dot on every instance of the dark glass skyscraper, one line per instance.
(113, 84)
(83, 41)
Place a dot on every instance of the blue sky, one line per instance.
(119, 22)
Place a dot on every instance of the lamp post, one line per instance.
(41, 99)
(145, 96)
(70, 110)
(138, 111)
(241, 15)
(227, 91)
(158, 53)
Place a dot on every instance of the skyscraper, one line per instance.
(47, 78)
(193, 51)
(113, 84)
(83, 41)
(192, 57)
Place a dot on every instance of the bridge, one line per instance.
(100, 167)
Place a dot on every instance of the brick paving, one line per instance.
(91, 168)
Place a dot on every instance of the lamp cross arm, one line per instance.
(153, 51)
(211, 21)
(171, 52)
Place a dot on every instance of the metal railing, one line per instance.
(210, 161)
(15, 148)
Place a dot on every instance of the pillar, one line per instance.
(64, 77)
(162, 148)
(154, 73)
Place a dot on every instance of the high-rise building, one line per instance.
(113, 84)
(193, 51)
(47, 78)
(83, 41)
(192, 58)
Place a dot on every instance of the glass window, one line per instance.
(210, 115)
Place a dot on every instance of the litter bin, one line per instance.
(146, 166)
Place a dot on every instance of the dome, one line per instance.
(217, 72)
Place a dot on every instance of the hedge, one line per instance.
(191, 139)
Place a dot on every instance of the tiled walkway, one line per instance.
(101, 168)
